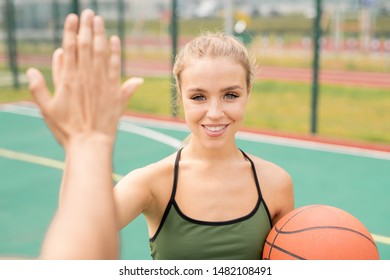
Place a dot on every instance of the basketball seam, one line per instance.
(277, 233)
(285, 251)
(324, 227)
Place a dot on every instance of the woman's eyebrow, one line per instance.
(230, 88)
(196, 89)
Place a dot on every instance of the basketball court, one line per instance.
(354, 179)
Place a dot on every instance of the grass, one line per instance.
(357, 113)
(351, 113)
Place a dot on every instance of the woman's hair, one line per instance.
(213, 45)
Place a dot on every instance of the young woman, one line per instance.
(210, 200)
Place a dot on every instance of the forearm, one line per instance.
(86, 216)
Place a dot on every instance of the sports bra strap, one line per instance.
(175, 175)
(254, 174)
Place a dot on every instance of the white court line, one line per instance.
(124, 125)
(381, 239)
(274, 140)
(129, 124)
(152, 134)
(317, 146)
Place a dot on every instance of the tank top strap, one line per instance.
(175, 175)
(254, 173)
(261, 198)
(172, 198)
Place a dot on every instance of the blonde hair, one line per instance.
(213, 45)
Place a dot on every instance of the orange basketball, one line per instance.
(319, 232)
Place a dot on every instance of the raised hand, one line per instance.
(88, 97)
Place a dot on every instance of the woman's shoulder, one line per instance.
(267, 167)
(145, 188)
(277, 187)
(152, 172)
(272, 176)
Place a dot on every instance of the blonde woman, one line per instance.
(209, 200)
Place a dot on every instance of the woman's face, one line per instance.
(214, 95)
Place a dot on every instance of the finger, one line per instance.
(38, 88)
(114, 63)
(69, 45)
(84, 44)
(57, 65)
(99, 49)
(130, 86)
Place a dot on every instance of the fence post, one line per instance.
(317, 46)
(11, 41)
(174, 34)
(122, 34)
(75, 7)
(94, 6)
(56, 24)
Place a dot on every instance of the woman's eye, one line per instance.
(198, 97)
(231, 95)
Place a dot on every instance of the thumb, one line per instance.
(129, 87)
(38, 88)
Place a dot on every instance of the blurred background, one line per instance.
(323, 66)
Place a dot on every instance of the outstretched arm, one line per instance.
(83, 115)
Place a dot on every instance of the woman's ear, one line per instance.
(250, 88)
(179, 95)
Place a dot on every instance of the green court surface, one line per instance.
(356, 180)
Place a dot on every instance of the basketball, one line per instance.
(319, 232)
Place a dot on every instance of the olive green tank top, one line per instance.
(180, 237)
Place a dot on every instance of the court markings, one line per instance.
(274, 140)
(47, 162)
(129, 124)
(31, 110)
(149, 133)
(381, 239)
(124, 125)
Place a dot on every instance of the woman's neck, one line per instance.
(196, 151)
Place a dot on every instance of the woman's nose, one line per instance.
(215, 110)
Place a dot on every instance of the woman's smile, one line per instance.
(215, 130)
